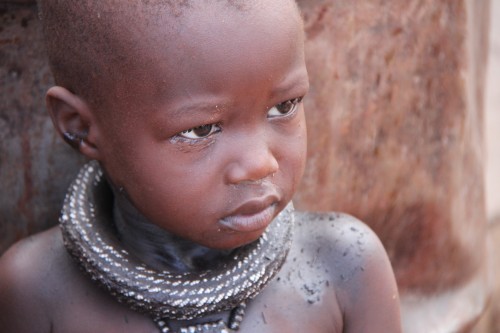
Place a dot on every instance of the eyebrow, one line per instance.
(299, 81)
(197, 108)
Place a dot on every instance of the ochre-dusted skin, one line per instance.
(205, 135)
(336, 279)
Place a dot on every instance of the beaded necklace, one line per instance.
(89, 236)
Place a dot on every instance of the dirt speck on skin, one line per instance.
(313, 291)
(264, 318)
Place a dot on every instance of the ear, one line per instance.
(73, 120)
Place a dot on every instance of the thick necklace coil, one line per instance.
(90, 238)
(211, 327)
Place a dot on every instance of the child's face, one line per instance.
(212, 144)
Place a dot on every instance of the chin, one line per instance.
(233, 240)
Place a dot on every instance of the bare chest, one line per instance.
(301, 298)
(292, 302)
(283, 308)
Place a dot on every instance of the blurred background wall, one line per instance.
(35, 166)
(492, 107)
(398, 136)
(491, 320)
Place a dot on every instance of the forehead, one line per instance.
(219, 34)
(229, 34)
(210, 41)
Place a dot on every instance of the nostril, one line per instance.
(252, 168)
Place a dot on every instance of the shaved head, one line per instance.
(93, 45)
(91, 42)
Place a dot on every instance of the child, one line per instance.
(192, 111)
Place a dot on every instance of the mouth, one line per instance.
(252, 216)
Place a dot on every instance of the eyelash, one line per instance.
(293, 103)
(212, 129)
(216, 127)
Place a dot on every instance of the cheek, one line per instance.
(168, 201)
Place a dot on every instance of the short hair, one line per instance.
(88, 42)
(91, 44)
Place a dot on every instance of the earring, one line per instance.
(73, 140)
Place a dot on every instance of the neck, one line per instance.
(157, 247)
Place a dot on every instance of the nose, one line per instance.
(253, 160)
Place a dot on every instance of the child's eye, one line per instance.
(200, 132)
(285, 108)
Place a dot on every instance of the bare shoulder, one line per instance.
(27, 281)
(345, 245)
(358, 267)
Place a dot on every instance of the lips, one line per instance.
(251, 216)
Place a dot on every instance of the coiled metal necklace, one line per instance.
(89, 236)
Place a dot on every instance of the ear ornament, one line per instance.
(74, 140)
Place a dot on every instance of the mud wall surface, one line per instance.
(395, 129)
(395, 133)
(35, 166)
